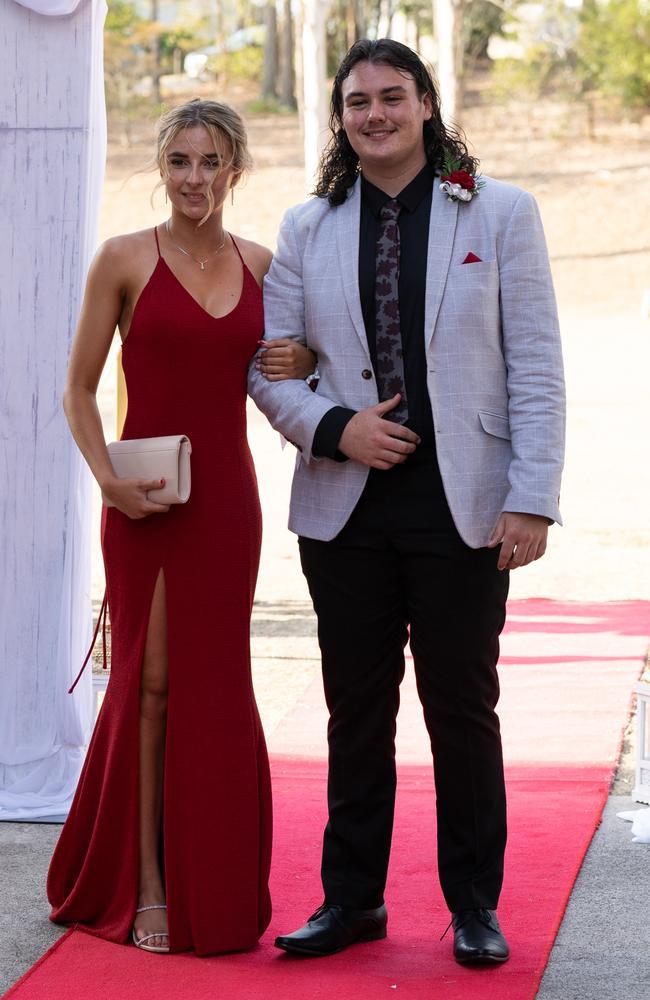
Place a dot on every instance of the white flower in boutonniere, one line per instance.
(459, 185)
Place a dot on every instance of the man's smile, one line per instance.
(378, 133)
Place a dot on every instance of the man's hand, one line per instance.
(522, 538)
(379, 443)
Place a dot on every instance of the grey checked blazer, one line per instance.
(492, 348)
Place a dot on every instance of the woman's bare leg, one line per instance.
(153, 719)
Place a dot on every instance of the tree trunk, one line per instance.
(448, 20)
(156, 71)
(270, 71)
(287, 73)
(314, 84)
(590, 118)
(357, 16)
(386, 12)
(371, 28)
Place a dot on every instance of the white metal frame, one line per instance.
(100, 682)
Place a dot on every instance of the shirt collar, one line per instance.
(409, 197)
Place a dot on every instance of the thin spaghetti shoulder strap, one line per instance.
(237, 248)
(155, 232)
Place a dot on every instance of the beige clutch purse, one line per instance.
(165, 458)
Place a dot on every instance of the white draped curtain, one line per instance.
(52, 152)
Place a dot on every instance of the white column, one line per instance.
(314, 81)
(52, 151)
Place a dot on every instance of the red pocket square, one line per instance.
(472, 259)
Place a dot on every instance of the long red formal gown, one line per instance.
(186, 374)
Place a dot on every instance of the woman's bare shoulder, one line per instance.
(128, 245)
(257, 257)
(120, 258)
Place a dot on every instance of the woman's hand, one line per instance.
(130, 496)
(284, 358)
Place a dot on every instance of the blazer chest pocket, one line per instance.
(495, 424)
(480, 276)
(471, 293)
(475, 267)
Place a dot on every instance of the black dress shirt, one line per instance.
(413, 223)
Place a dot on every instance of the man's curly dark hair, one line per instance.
(339, 165)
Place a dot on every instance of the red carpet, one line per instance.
(567, 676)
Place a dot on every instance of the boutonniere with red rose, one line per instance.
(457, 184)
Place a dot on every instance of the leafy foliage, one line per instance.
(245, 63)
(613, 50)
(481, 20)
(125, 60)
(121, 19)
(137, 51)
(602, 48)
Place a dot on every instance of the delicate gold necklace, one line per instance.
(197, 260)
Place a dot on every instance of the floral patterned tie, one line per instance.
(390, 358)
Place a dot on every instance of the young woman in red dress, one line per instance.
(169, 836)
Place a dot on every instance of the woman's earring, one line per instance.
(232, 196)
(166, 199)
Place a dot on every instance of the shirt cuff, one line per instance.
(328, 434)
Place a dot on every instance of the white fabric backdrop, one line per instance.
(52, 153)
(51, 8)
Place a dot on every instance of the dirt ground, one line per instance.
(594, 197)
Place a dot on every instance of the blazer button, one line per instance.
(366, 373)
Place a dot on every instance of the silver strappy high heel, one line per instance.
(141, 942)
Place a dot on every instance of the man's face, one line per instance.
(383, 116)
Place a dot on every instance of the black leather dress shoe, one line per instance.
(478, 939)
(332, 928)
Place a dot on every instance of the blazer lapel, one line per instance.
(347, 240)
(442, 228)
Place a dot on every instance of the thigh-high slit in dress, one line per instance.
(186, 374)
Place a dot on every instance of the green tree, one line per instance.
(137, 48)
(481, 20)
(613, 50)
(601, 49)
(125, 62)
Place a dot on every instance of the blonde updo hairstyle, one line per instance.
(220, 121)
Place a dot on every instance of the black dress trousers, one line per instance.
(399, 565)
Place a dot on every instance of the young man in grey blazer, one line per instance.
(428, 467)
